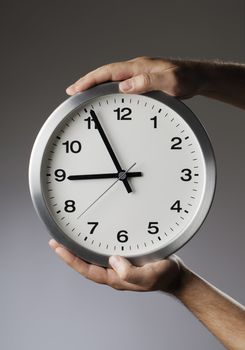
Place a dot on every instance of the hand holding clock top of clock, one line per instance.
(145, 74)
(176, 77)
(223, 316)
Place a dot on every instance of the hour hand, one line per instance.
(103, 176)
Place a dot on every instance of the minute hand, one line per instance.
(109, 148)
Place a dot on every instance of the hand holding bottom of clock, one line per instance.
(180, 78)
(162, 275)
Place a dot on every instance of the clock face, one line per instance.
(124, 174)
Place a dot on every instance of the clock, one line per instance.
(122, 174)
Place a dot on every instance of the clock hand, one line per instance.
(121, 175)
(103, 176)
(109, 148)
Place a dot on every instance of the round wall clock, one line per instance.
(122, 174)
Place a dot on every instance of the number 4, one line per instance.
(176, 206)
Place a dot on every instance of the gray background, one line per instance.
(46, 45)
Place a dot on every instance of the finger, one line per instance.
(93, 272)
(53, 244)
(111, 72)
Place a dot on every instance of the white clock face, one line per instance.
(166, 175)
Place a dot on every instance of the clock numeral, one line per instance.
(60, 175)
(90, 123)
(69, 206)
(155, 121)
(73, 146)
(122, 236)
(153, 228)
(120, 116)
(176, 206)
(187, 175)
(177, 141)
(95, 224)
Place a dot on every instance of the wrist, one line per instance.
(171, 283)
(184, 279)
(209, 76)
(205, 76)
(184, 282)
(202, 76)
(193, 77)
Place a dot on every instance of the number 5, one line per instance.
(152, 227)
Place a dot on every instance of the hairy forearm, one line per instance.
(222, 315)
(224, 82)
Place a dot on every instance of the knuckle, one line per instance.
(107, 67)
(141, 58)
(146, 80)
(113, 70)
(125, 274)
(115, 285)
(86, 273)
(73, 262)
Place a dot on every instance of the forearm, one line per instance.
(224, 82)
(222, 315)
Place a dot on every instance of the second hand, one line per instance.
(120, 177)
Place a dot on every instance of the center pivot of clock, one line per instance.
(122, 175)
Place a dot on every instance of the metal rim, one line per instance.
(68, 107)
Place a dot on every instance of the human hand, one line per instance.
(162, 275)
(178, 78)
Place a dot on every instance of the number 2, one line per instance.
(178, 142)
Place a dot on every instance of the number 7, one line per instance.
(95, 224)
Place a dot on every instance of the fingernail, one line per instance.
(126, 85)
(69, 89)
(52, 243)
(114, 261)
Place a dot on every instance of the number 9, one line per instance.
(60, 175)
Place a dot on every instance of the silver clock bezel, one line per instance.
(68, 107)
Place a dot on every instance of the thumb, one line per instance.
(142, 83)
(125, 270)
